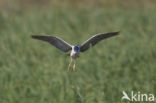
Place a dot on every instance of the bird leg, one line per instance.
(70, 64)
(74, 66)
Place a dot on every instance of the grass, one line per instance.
(35, 72)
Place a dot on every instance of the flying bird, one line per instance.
(75, 49)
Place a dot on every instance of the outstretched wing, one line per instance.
(95, 39)
(55, 41)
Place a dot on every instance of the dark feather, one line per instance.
(55, 41)
(95, 39)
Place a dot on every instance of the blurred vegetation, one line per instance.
(32, 71)
(29, 4)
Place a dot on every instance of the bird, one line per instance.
(75, 49)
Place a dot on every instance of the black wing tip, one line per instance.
(117, 33)
(36, 36)
(113, 33)
(33, 36)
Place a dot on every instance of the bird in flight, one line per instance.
(75, 49)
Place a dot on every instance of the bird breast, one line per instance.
(74, 55)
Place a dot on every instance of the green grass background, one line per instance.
(32, 71)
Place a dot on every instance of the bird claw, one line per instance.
(69, 65)
(74, 67)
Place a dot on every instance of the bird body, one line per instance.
(75, 50)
